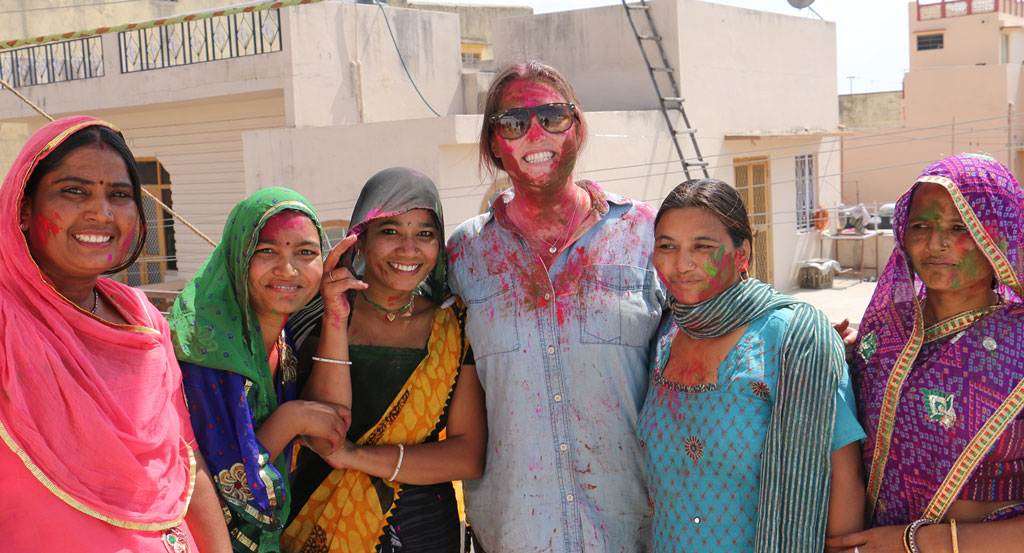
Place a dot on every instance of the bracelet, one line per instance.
(952, 535)
(910, 534)
(329, 360)
(398, 467)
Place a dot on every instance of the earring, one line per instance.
(24, 226)
(358, 258)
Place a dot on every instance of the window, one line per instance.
(1004, 50)
(929, 42)
(806, 192)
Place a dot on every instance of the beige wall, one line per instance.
(871, 110)
(734, 63)
(476, 22)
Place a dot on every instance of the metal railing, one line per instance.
(53, 63)
(199, 41)
(956, 8)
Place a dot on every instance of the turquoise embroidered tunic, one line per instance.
(702, 444)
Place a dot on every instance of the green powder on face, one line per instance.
(710, 268)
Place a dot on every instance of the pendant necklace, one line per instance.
(390, 313)
(564, 235)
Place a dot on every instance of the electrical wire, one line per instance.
(402, 59)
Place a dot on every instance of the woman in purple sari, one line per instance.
(939, 368)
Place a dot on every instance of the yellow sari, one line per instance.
(349, 510)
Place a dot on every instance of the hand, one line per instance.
(343, 457)
(336, 281)
(885, 539)
(317, 419)
(849, 336)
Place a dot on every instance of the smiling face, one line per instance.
(400, 251)
(695, 256)
(286, 268)
(82, 217)
(538, 160)
(940, 246)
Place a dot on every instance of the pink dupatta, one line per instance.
(87, 405)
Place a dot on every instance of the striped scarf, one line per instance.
(797, 457)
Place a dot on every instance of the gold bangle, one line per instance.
(952, 535)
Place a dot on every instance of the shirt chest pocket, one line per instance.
(491, 312)
(614, 308)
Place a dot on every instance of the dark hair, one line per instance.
(716, 197)
(98, 136)
(524, 70)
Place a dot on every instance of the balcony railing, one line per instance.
(53, 63)
(198, 41)
(956, 8)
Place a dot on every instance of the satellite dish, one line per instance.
(800, 4)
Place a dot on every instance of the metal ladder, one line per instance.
(672, 101)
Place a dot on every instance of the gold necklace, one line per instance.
(390, 313)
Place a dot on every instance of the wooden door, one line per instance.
(752, 182)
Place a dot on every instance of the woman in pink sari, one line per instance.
(96, 449)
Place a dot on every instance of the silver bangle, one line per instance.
(398, 467)
(910, 535)
(329, 360)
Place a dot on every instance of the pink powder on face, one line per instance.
(288, 219)
(47, 228)
(127, 243)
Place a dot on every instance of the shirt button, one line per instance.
(547, 296)
(563, 447)
(551, 349)
(696, 520)
(558, 397)
(570, 498)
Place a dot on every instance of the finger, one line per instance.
(343, 279)
(841, 326)
(343, 275)
(335, 254)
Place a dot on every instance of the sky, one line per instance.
(872, 37)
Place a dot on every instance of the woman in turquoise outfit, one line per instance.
(749, 422)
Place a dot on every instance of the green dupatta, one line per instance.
(212, 324)
(796, 462)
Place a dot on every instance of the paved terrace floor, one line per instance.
(847, 298)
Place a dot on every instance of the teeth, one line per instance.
(539, 157)
(93, 238)
(288, 288)
(404, 267)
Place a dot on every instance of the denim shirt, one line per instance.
(563, 357)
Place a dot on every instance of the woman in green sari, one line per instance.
(238, 365)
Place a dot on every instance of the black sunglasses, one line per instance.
(553, 118)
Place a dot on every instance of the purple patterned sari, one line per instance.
(941, 405)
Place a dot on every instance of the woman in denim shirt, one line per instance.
(562, 302)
